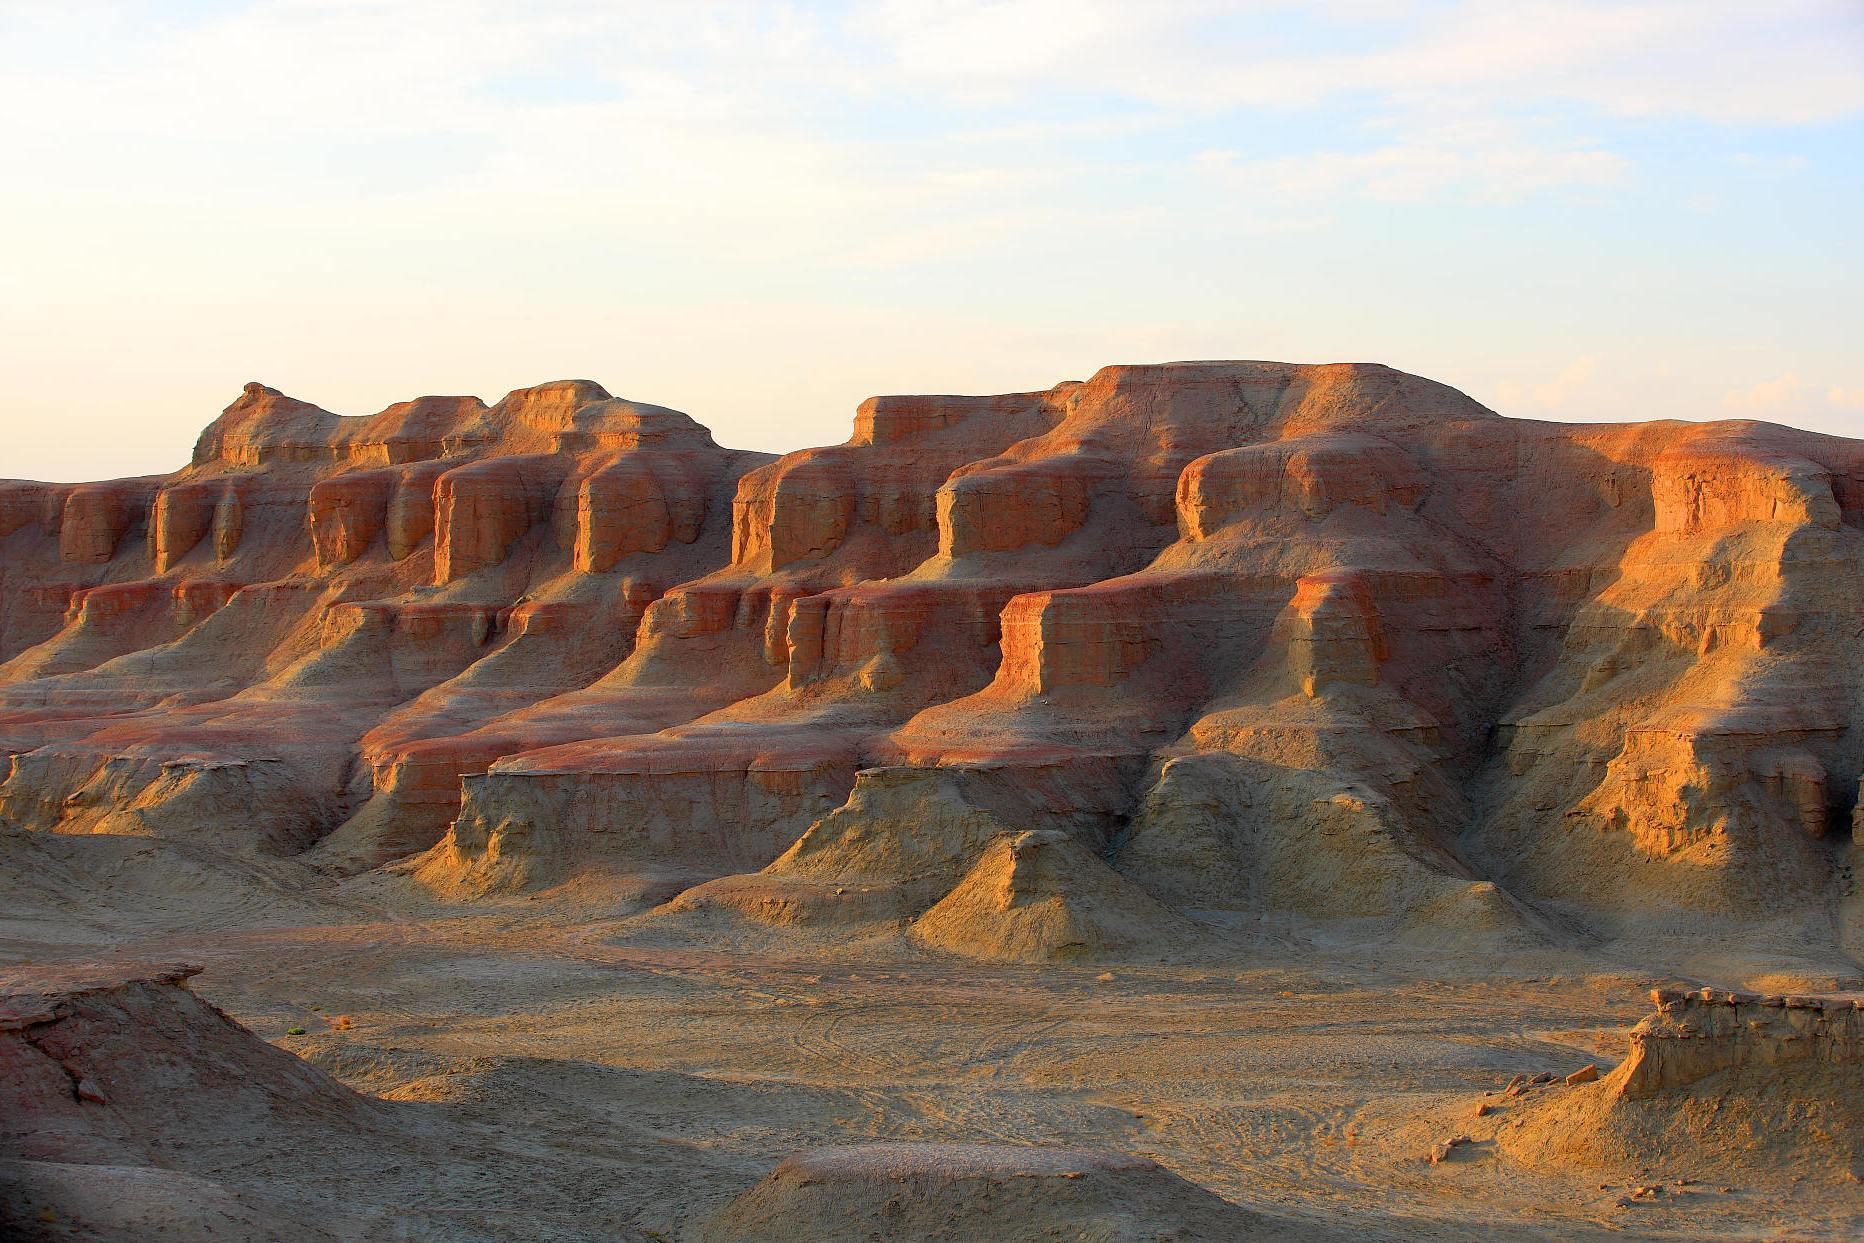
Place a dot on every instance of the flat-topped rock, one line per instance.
(1721, 1079)
(1328, 641)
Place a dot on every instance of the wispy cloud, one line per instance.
(1786, 62)
(1422, 168)
(1553, 395)
(641, 88)
(1787, 397)
(301, 179)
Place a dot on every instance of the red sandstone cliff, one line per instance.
(1333, 641)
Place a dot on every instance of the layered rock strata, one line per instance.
(1734, 1081)
(1039, 896)
(1318, 642)
(1695, 1035)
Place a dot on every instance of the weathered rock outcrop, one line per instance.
(1695, 1035)
(1731, 1081)
(120, 1089)
(927, 1191)
(324, 610)
(1327, 642)
(124, 1065)
(903, 841)
(1037, 896)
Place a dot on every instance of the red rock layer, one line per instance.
(1329, 640)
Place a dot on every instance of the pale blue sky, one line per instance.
(761, 213)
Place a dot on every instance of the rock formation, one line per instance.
(1321, 642)
(1731, 1081)
(114, 1065)
(117, 1085)
(1038, 896)
(1695, 1035)
(925, 1191)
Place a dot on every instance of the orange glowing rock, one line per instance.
(1328, 640)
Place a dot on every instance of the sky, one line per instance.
(761, 213)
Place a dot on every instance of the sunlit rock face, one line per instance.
(1333, 642)
(1744, 1084)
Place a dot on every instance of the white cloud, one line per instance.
(1552, 395)
(1423, 169)
(379, 178)
(1573, 377)
(776, 114)
(1767, 397)
(1787, 397)
(1785, 62)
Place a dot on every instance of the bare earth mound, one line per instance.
(113, 1064)
(1038, 896)
(965, 1192)
(114, 1080)
(1735, 1083)
(901, 841)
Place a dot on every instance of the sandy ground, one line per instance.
(602, 1078)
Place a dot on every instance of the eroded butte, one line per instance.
(1168, 801)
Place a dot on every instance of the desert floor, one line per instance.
(587, 1076)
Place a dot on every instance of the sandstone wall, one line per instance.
(1332, 641)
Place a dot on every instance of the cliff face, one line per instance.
(1326, 640)
(1694, 1036)
(1728, 1081)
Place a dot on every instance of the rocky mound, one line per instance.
(51, 883)
(110, 1065)
(1724, 1081)
(116, 1080)
(955, 1192)
(1325, 642)
(905, 837)
(1040, 897)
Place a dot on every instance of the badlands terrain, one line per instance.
(1224, 800)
